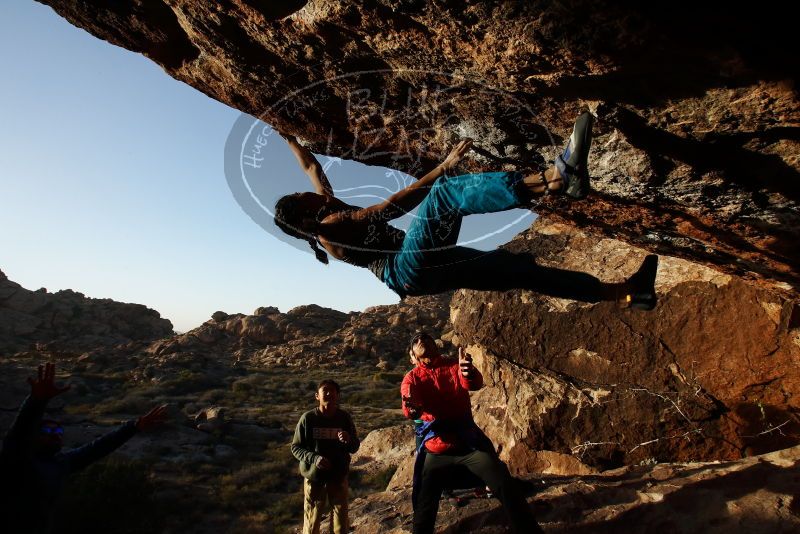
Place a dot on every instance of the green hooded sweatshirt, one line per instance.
(317, 435)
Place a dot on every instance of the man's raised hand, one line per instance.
(44, 387)
(465, 362)
(152, 419)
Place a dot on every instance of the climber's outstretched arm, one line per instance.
(310, 166)
(408, 198)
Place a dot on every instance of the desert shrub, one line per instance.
(253, 382)
(252, 523)
(392, 378)
(212, 396)
(299, 384)
(284, 511)
(186, 381)
(114, 497)
(379, 397)
(185, 504)
(132, 403)
(365, 483)
(242, 386)
(245, 488)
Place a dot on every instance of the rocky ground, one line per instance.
(756, 495)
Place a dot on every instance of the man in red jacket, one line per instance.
(437, 392)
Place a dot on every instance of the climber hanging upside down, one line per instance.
(426, 260)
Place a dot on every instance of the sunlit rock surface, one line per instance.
(757, 494)
(711, 373)
(697, 145)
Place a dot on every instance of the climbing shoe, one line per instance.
(640, 290)
(572, 163)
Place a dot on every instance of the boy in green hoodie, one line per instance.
(324, 439)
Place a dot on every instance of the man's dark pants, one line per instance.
(488, 468)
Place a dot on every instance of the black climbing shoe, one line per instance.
(640, 288)
(572, 163)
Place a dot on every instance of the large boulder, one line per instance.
(711, 373)
(385, 448)
(210, 419)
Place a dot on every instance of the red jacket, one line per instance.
(442, 393)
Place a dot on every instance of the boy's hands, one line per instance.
(322, 462)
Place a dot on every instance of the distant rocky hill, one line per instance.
(69, 321)
(310, 335)
(304, 336)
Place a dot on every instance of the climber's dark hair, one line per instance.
(288, 217)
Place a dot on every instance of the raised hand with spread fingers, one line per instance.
(43, 387)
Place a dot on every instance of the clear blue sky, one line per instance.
(112, 184)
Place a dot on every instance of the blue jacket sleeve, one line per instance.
(19, 438)
(84, 455)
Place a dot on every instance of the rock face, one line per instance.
(757, 495)
(695, 158)
(697, 147)
(385, 448)
(69, 321)
(711, 373)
